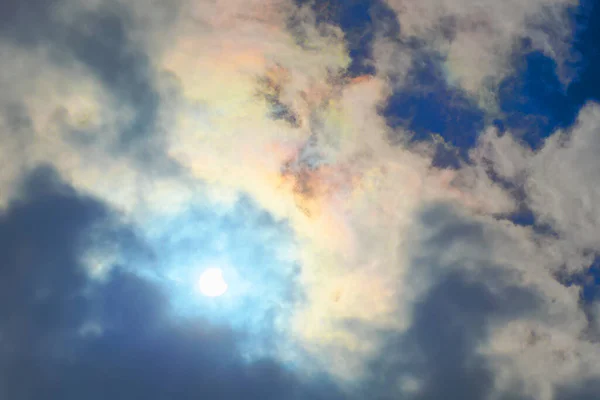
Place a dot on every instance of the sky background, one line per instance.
(403, 197)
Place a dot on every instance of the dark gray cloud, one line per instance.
(451, 322)
(439, 356)
(26, 21)
(135, 347)
(587, 390)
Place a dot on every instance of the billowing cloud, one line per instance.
(558, 180)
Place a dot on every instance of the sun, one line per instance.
(211, 283)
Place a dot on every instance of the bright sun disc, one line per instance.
(211, 283)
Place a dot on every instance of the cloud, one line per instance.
(488, 319)
(241, 134)
(477, 38)
(558, 180)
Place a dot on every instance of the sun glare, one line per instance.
(211, 283)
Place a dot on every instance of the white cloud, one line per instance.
(478, 36)
(560, 185)
(561, 180)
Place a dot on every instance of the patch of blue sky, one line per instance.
(586, 85)
(588, 282)
(427, 105)
(534, 102)
(361, 21)
(591, 288)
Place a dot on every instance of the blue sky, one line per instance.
(402, 198)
